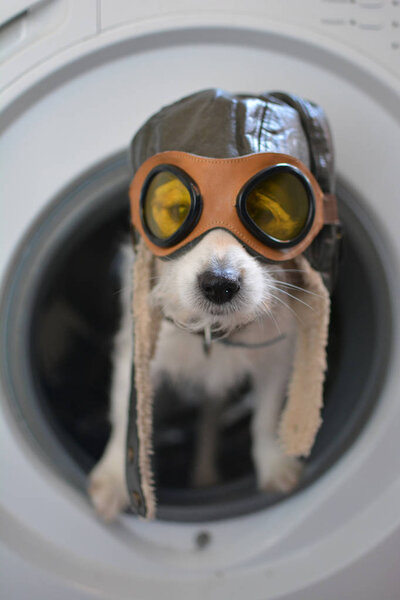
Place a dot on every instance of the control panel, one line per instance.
(32, 31)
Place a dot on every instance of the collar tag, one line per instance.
(207, 340)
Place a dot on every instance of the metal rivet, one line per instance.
(136, 499)
(131, 454)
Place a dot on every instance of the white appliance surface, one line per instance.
(77, 79)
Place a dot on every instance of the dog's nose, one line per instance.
(219, 285)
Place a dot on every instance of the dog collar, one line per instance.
(210, 336)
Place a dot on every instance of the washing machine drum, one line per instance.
(219, 125)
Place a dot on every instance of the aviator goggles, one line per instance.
(269, 201)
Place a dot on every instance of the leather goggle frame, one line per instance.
(217, 186)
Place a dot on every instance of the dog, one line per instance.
(216, 286)
(235, 232)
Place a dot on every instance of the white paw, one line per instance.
(107, 490)
(278, 472)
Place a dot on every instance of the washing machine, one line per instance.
(77, 80)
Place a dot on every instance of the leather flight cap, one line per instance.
(216, 188)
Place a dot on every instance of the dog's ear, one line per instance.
(301, 417)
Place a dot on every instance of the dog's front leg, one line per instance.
(107, 486)
(275, 471)
(205, 464)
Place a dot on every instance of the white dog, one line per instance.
(216, 285)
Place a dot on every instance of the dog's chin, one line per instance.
(210, 308)
(224, 317)
(218, 310)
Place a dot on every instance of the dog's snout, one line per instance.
(220, 285)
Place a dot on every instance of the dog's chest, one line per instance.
(182, 356)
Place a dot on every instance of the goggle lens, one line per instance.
(279, 205)
(166, 204)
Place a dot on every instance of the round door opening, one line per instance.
(61, 307)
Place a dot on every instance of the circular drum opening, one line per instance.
(60, 309)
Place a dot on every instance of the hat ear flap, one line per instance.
(301, 417)
(147, 320)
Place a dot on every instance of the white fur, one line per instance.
(259, 310)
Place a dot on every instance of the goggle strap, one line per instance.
(331, 216)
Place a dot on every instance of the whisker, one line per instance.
(297, 287)
(120, 290)
(283, 270)
(295, 298)
(287, 306)
(271, 314)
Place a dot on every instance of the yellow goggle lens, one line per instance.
(279, 205)
(166, 205)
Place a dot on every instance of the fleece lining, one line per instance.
(301, 417)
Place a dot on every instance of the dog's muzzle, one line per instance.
(270, 202)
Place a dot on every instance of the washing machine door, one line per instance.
(78, 79)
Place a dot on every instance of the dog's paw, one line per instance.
(107, 491)
(279, 473)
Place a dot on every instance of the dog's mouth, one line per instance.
(218, 318)
(215, 309)
(235, 306)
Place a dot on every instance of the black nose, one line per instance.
(220, 285)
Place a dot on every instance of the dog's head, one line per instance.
(217, 283)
